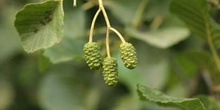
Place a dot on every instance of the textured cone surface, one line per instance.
(92, 55)
(128, 55)
(110, 71)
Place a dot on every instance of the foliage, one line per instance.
(40, 25)
(158, 97)
(177, 44)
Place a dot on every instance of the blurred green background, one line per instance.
(58, 78)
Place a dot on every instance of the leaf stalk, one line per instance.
(108, 29)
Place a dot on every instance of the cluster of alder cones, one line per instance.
(109, 64)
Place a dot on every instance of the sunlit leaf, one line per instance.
(40, 25)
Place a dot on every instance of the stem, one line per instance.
(118, 33)
(93, 25)
(212, 47)
(214, 53)
(139, 13)
(156, 22)
(104, 14)
(101, 7)
(108, 27)
(107, 43)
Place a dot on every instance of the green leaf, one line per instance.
(195, 13)
(40, 25)
(131, 102)
(153, 95)
(163, 38)
(210, 103)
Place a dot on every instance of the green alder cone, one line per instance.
(92, 55)
(110, 71)
(128, 55)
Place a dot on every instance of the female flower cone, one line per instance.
(92, 55)
(110, 71)
(128, 55)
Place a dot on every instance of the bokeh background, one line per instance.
(58, 78)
